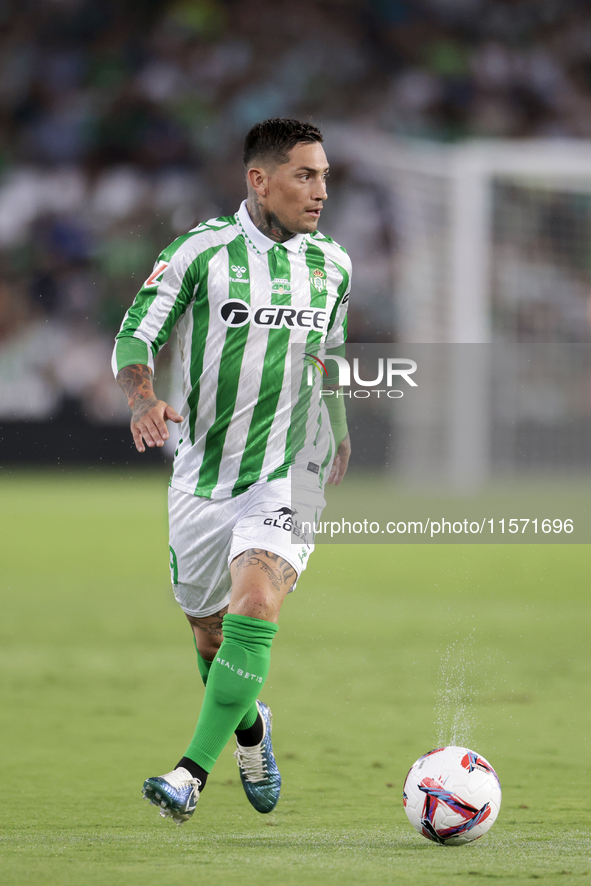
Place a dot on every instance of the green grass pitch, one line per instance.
(99, 689)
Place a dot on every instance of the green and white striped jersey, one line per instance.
(240, 303)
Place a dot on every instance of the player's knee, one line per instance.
(208, 634)
(207, 645)
(257, 603)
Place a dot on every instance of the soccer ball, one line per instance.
(452, 795)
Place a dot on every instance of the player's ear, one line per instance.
(258, 179)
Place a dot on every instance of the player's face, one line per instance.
(296, 189)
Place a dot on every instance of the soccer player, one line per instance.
(243, 291)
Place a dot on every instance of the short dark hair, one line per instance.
(274, 139)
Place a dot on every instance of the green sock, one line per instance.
(234, 681)
(204, 666)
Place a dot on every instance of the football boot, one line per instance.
(175, 793)
(258, 769)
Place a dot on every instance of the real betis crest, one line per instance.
(317, 279)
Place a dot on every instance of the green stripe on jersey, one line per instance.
(170, 250)
(201, 319)
(238, 405)
(228, 379)
(341, 289)
(272, 376)
(138, 310)
(296, 436)
(147, 294)
(327, 461)
(316, 261)
(182, 301)
(198, 340)
(129, 351)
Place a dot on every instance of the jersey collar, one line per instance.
(260, 241)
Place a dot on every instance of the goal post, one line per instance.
(492, 247)
(472, 222)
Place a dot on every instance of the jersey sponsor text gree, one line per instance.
(236, 312)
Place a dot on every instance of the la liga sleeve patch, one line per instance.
(156, 276)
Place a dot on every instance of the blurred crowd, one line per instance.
(122, 123)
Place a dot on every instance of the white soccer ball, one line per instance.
(452, 795)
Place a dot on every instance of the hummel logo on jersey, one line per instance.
(239, 271)
(236, 312)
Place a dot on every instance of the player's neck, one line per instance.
(267, 222)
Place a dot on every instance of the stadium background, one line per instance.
(121, 126)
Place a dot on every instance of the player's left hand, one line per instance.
(148, 422)
(341, 461)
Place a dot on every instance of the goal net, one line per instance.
(492, 247)
(493, 239)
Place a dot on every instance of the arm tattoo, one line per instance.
(267, 223)
(136, 383)
(210, 624)
(283, 573)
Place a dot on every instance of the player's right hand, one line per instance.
(341, 462)
(148, 423)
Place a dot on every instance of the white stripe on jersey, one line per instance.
(250, 376)
(228, 465)
(188, 462)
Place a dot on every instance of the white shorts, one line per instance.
(206, 535)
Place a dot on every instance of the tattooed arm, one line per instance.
(148, 414)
